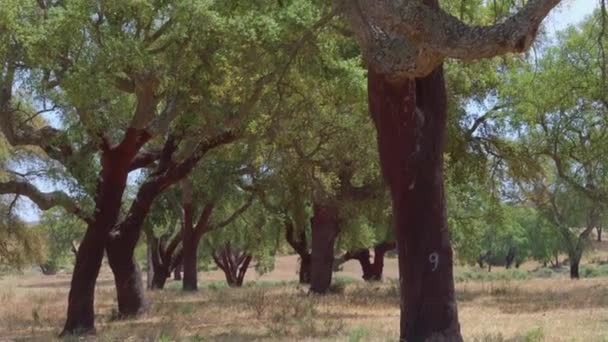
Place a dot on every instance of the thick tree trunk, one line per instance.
(115, 163)
(190, 278)
(157, 273)
(149, 263)
(300, 246)
(81, 299)
(325, 228)
(127, 276)
(510, 258)
(233, 263)
(189, 245)
(410, 118)
(159, 279)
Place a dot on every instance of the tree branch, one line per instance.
(424, 36)
(44, 200)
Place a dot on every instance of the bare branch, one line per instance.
(44, 200)
(236, 213)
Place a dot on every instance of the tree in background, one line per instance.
(562, 127)
(62, 232)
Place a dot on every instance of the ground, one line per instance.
(274, 307)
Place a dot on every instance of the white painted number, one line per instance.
(434, 260)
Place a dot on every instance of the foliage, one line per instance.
(63, 232)
(21, 244)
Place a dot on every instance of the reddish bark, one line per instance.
(191, 238)
(410, 118)
(325, 229)
(127, 277)
(116, 163)
(233, 262)
(190, 281)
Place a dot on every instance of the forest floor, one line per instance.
(545, 306)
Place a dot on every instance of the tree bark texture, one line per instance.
(127, 277)
(410, 118)
(325, 229)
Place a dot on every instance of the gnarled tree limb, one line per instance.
(407, 38)
(44, 200)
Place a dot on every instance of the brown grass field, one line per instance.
(274, 308)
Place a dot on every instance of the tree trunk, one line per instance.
(575, 260)
(305, 265)
(410, 118)
(177, 272)
(300, 246)
(378, 265)
(159, 279)
(127, 275)
(190, 277)
(157, 271)
(599, 234)
(115, 163)
(325, 229)
(189, 245)
(81, 299)
(510, 257)
(149, 262)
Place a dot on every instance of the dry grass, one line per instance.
(555, 309)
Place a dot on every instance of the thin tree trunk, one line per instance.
(325, 229)
(575, 260)
(81, 299)
(599, 234)
(410, 118)
(362, 256)
(159, 279)
(115, 163)
(189, 245)
(177, 272)
(305, 265)
(300, 246)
